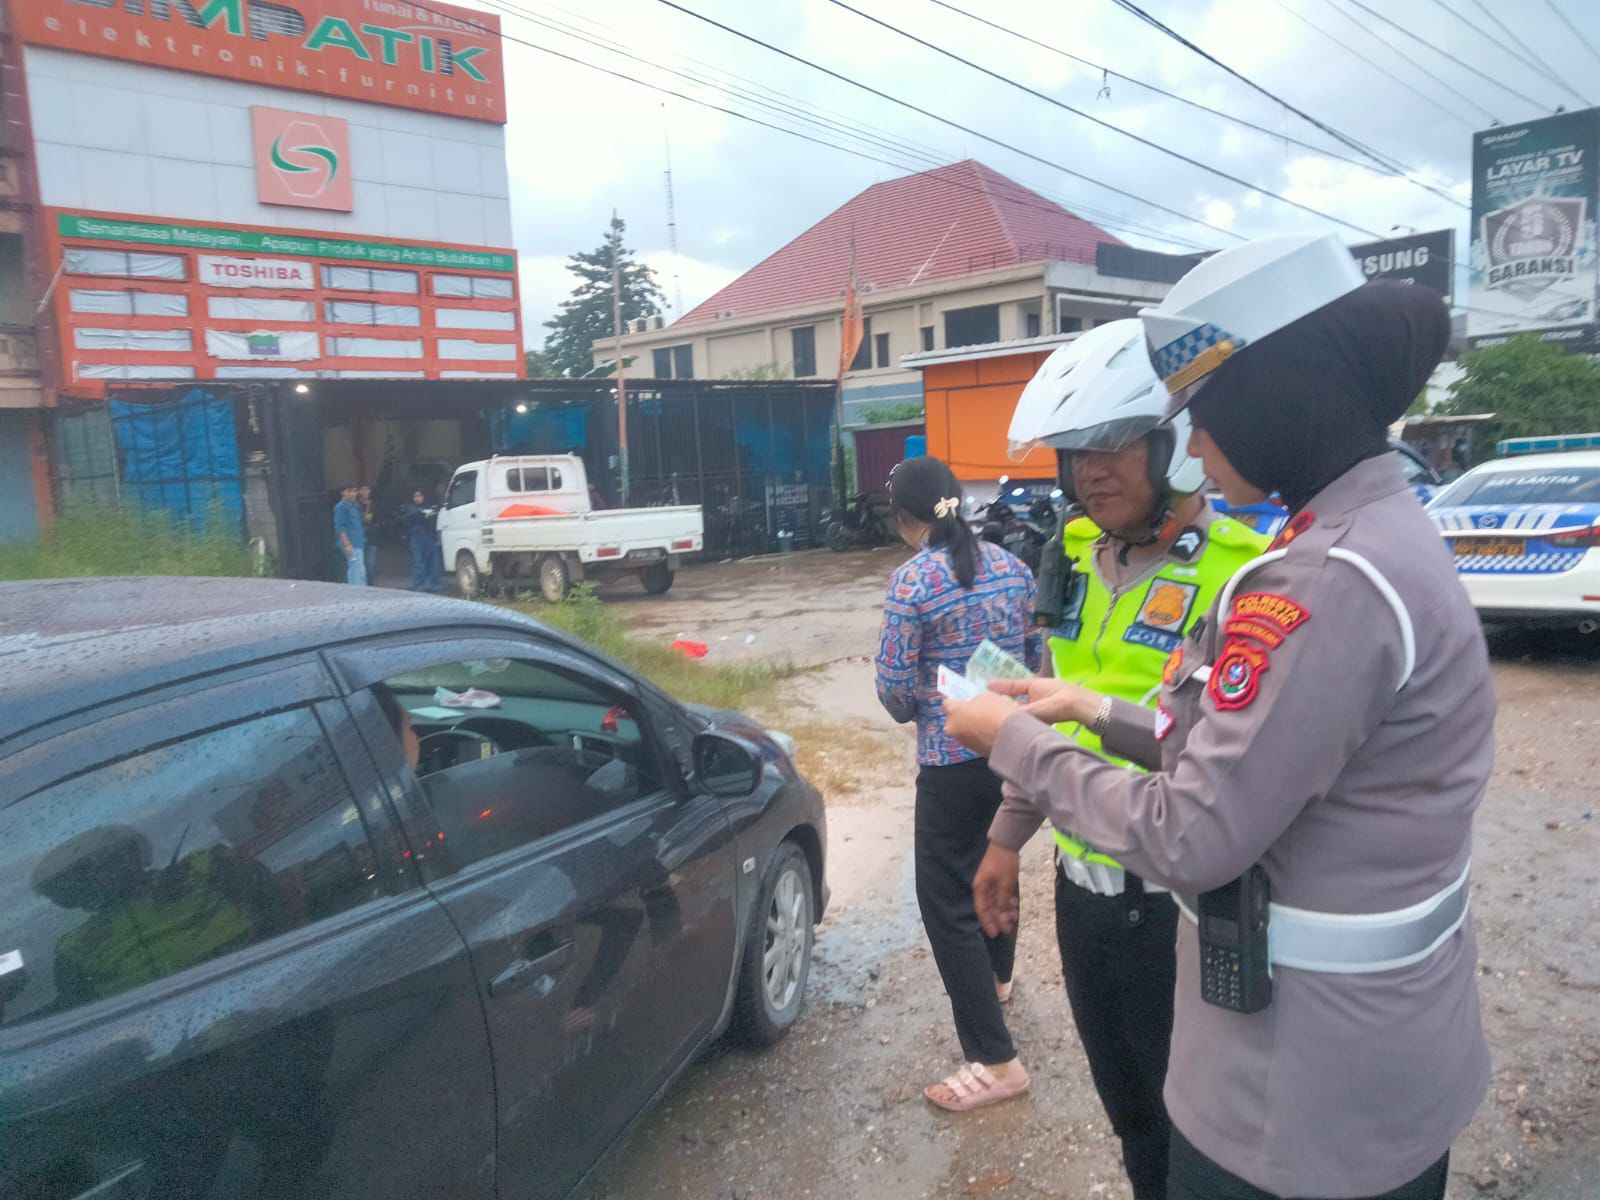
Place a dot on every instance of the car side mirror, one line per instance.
(726, 766)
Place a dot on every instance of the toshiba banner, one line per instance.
(434, 56)
(256, 273)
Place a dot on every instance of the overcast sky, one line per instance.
(581, 143)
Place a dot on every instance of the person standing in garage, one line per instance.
(943, 602)
(1142, 568)
(350, 537)
(1320, 747)
(422, 539)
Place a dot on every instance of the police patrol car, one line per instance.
(1525, 532)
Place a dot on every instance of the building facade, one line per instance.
(947, 258)
(238, 189)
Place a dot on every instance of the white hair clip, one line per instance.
(946, 507)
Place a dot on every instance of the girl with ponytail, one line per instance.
(946, 599)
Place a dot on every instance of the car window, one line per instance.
(1553, 485)
(463, 489)
(509, 750)
(158, 862)
(555, 479)
(1416, 470)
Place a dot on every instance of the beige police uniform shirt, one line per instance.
(1300, 753)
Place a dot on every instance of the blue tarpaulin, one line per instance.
(181, 455)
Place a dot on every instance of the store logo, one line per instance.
(302, 160)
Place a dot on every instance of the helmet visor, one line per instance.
(1106, 438)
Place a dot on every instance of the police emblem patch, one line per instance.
(1164, 722)
(1236, 677)
(1174, 665)
(1162, 614)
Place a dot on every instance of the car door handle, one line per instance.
(547, 962)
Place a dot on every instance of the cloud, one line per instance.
(581, 143)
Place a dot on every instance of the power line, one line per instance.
(1160, 91)
(929, 158)
(1440, 4)
(1510, 34)
(858, 153)
(1061, 104)
(967, 129)
(1466, 66)
(1388, 45)
(1141, 14)
(1379, 67)
(1576, 32)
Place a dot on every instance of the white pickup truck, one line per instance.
(517, 520)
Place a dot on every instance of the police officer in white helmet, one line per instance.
(1133, 575)
(1319, 749)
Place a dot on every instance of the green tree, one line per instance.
(539, 365)
(1532, 387)
(585, 316)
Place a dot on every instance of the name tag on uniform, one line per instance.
(1162, 615)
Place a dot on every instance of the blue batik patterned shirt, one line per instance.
(930, 620)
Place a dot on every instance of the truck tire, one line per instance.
(555, 580)
(657, 578)
(468, 578)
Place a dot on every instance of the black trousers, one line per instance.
(954, 807)
(1119, 957)
(1196, 1177)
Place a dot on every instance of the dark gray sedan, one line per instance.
(309, 891)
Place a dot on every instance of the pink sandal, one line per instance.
(974, 1086)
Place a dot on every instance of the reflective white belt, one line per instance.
(1098, 878)
(1361, 943)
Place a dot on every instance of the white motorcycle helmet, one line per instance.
(1237, 297)
(1099, 392)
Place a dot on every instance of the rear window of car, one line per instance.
(1563, 485)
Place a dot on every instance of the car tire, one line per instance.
(468, 578)
(777, 951)
(657, 578)
(555, 580)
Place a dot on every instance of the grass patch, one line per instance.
(126, 541)
(840, 759)
(741, 686)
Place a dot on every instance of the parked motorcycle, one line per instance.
(1023, 533)
(859, 525)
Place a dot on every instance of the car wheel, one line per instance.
(467, 577)
(657, 578)
(555, 581)
(777, 953)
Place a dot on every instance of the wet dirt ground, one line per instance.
(835, 1111)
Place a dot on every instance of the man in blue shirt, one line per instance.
(350, 536)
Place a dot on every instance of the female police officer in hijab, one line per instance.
(1322, 741)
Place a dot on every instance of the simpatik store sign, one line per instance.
(433, 57)
(1534, 267)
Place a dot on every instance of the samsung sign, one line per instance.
(1421, 258)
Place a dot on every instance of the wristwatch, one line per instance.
(1102, 717)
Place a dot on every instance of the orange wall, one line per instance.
(969, 407)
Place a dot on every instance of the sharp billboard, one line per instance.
(1533, 265)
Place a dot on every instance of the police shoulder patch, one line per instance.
(1297, 524)
(1257, 624)
(1236, 675)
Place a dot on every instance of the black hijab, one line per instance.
(1299, 408)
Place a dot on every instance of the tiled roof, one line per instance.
(939, 224)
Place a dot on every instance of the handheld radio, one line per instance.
(1234, 969)
(1059, 586)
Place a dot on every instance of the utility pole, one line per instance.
(622, 384)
